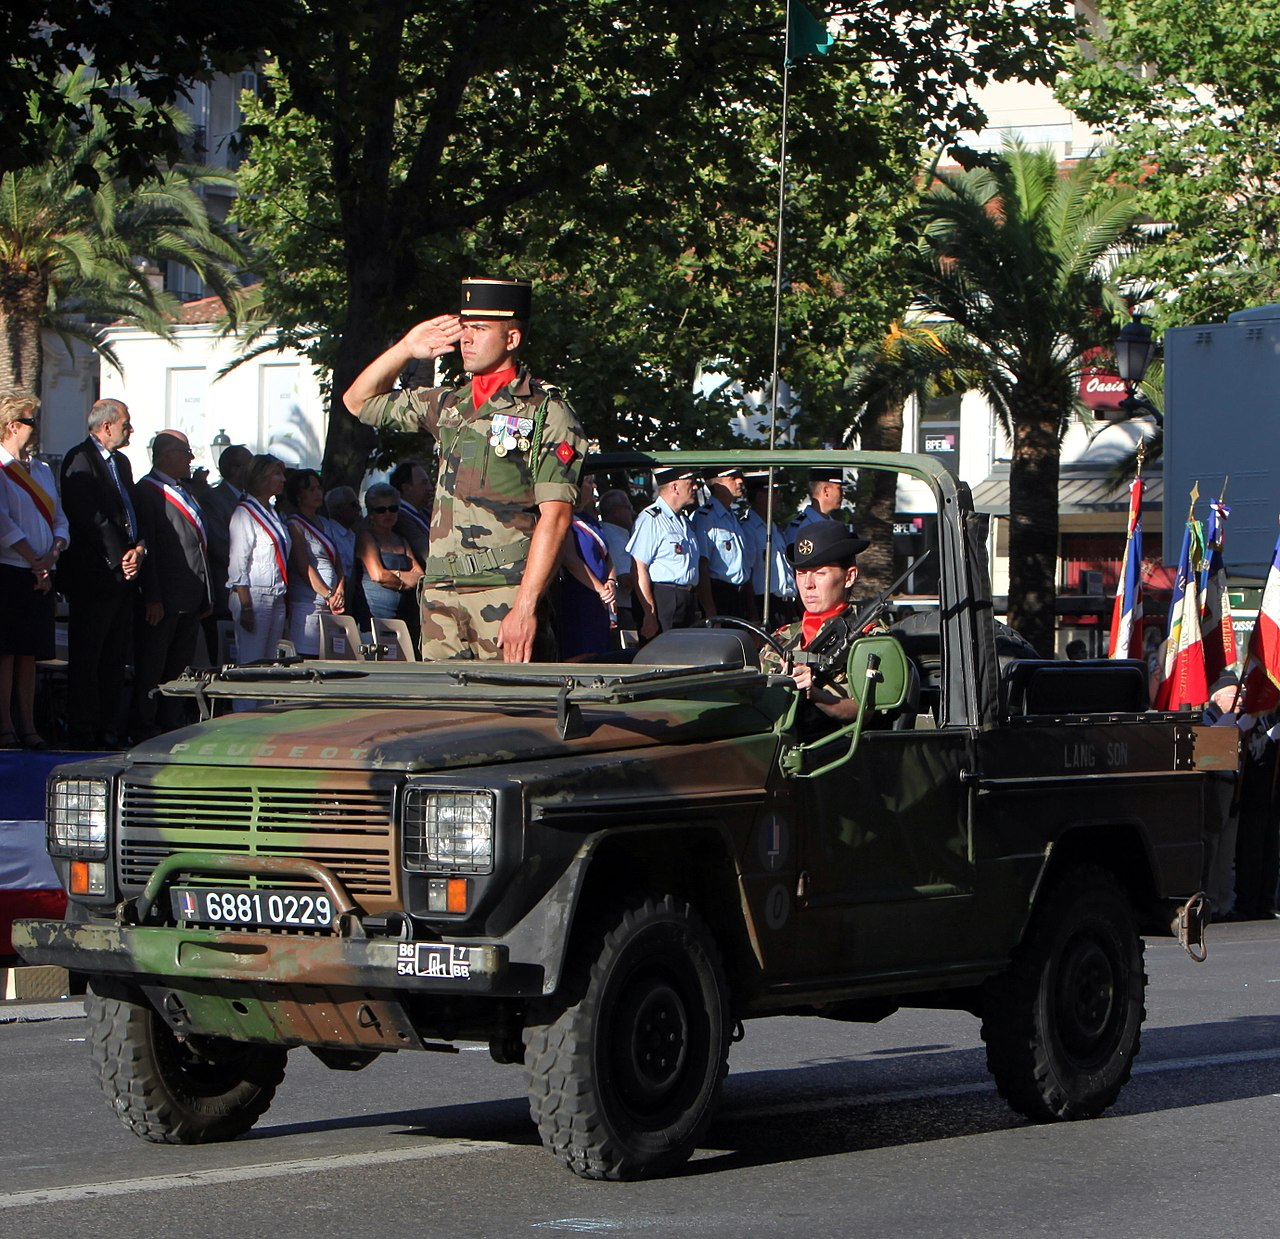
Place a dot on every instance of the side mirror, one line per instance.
(881, 661)
(879, 680)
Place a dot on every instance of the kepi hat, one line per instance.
(490, 296)
(826, 542)
(662, 476)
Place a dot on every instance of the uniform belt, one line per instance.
(684, 589)
(472, 563)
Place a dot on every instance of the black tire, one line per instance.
(170, 1091)
(1063, 1024)
(623, 1082)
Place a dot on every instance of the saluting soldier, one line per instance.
(826, 494)
(511, 452)
(665, 552)
(723, 572)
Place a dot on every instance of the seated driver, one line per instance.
(823, 557)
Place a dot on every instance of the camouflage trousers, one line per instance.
(465, 623)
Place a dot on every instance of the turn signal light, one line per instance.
(447, 895)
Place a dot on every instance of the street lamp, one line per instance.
(221, 441)
(1135, 346)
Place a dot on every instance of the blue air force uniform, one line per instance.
(666, 542)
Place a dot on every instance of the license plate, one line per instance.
(272, 908)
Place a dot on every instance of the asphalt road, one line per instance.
(825, 1129)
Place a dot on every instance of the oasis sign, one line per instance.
(1100, 390)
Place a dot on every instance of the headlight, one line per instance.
(77, 817)
(448, 831)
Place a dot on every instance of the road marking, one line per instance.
(459, 1148)
(241, 1174)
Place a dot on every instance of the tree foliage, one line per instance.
(1187, 93)
(72, 256)
(624, 154)
(1017, 256)
(154, 50)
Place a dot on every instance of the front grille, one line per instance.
(346, 829)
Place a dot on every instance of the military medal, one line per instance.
(506, 433)
(523, 444)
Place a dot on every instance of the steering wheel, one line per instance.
(732, 621)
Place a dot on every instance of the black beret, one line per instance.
(489, 296)
(826, 542)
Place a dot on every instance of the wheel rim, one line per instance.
(656, 1037)
(1088, 1005)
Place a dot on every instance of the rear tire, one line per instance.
(623, 1082)
(168, 1090)
(1063, 1023)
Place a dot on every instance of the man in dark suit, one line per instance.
(98, 574)
(174, 582)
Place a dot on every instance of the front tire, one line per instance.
(193, 1090)
(623, 1082)
(1063, 1023)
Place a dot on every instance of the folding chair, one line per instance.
(394, 635)
(339, 638)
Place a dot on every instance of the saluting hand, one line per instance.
(433, 338)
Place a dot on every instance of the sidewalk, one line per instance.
(20, 1012)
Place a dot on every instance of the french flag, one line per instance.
(1126, 617)
(1215, 624)
(1261, 691)
(1184, 680)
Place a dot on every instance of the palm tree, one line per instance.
(1017, 256)
(78, 242)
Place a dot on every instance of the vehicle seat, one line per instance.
(723, 648)
(1087, 686)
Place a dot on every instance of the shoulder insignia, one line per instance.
(651, 511)
(566, 453)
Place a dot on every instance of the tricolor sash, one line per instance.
(274, 530)
(188, 510)
(587, 528)
(24, 481)
(319, 535)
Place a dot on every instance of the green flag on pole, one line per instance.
(805, 33)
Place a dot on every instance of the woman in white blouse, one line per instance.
(258, 565)
(33, 533)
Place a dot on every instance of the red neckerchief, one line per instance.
(484, 385)
(813, 621)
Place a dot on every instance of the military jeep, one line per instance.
(603, 869)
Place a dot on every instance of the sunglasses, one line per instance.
(393, 507)
(25, 421)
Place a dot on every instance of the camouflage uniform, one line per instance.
(523, 447)
(789, 636)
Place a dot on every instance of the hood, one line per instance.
(449, 737)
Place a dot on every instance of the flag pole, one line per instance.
(777, 312)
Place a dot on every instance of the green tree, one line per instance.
(1016, 256)
(624, 153)
(1197, 132)
(152, 50)
(72, 255)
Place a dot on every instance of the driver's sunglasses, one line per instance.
(25, 421)
(393, 507)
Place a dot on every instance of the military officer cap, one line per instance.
(826, 542)
(728, 471)
(827, 475)
(662, 476)
(756, 481)
(489, 296)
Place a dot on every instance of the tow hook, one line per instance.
(1189, 926)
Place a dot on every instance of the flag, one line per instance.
(1182, 654)
(1215, 622)
(1126, 617)
(806, 35)
(1261, 680)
